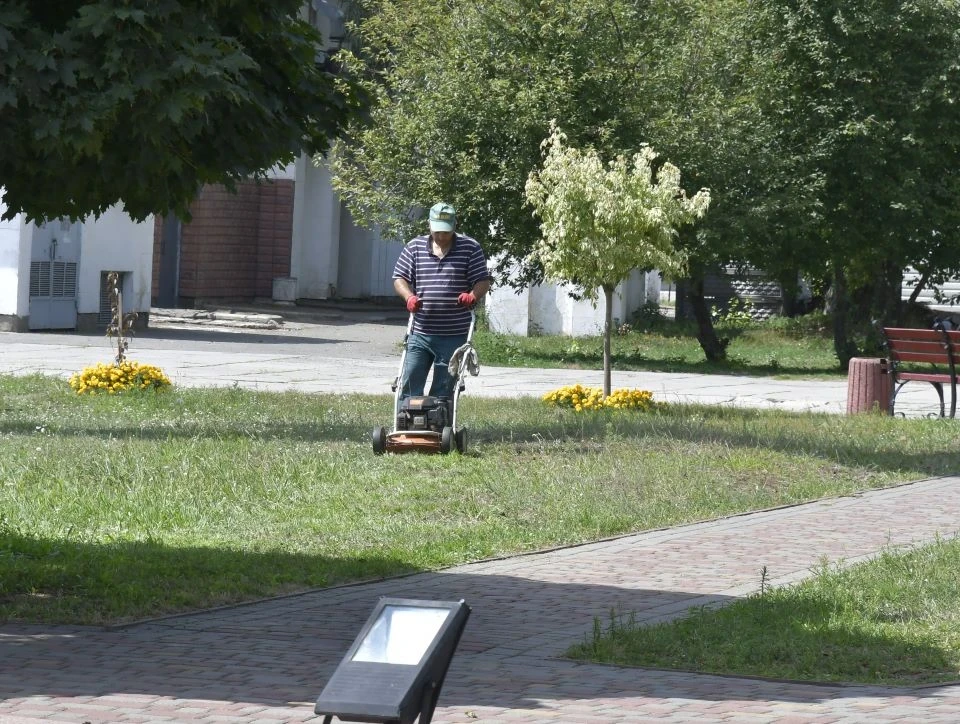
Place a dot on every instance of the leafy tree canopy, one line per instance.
(870, 99)
(465, 92)
(867, 100)
(106, 101)
(601, 221)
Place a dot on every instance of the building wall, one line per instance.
(10, 266)
(112, 242)
(235, 244)
(315, 252)
(115, 242)
(549, 308)
(274, 233)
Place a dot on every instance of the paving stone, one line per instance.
(267, 662)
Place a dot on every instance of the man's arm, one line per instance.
(481, 288)
(402, 288)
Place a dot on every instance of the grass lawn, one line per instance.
(893, 620)
(117, 508)
(781, 347)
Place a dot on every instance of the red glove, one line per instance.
(413, 303)
(467, 299)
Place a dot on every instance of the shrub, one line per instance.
(114, 378)
(581, 399)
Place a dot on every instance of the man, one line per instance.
(440, 276)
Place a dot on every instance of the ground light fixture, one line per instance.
(393, 671)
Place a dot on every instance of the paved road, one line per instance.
(359, 354)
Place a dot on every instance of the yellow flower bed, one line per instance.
(582, 398)
(114, 378)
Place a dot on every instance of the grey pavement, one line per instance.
(267, 661)
(357, 352)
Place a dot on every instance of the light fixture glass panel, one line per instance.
(401, 635)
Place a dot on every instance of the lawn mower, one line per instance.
(425, 423)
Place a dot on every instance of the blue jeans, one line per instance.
(423, 352)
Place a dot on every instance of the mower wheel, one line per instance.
(379, 440)
(460, 437)
(446, 440)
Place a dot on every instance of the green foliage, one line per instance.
(465, 92)
(865, 98)
(648, 317)
(600, 221)
(104, 101)
(737, 315)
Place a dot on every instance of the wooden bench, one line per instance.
(938, 347)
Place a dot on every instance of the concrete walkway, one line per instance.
(361, 353)
(267, 662)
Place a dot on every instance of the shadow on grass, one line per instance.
(43, 579)
(227, 430)
(279, 653)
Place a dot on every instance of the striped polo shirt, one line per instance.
(438, 282)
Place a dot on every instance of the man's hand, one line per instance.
(413, 303)
(467, 299)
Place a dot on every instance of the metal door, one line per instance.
(55, 257)
(384, 259)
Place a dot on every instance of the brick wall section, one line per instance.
(235, 244)
(274, 234)
(218, 247)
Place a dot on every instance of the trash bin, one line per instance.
(868, 386)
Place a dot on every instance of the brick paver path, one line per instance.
(267, 662)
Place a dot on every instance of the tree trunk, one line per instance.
(843, 347)
(713, 347)
(790, 288)
(607, 332)
(887, 293)
(920, 286)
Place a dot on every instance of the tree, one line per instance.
(464, 97)
(867, 106)
(107, 101)
(464, 93)
(601, 222)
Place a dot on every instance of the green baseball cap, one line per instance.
(443, 217)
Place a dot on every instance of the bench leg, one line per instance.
(939, 388)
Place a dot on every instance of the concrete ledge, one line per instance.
(91, 322)
(13, 323)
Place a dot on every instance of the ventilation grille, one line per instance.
(64, 279)
(53, 279)
(40, 279)
(105, 315)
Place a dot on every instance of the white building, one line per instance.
(53, 275)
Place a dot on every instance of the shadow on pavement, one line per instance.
(223, 336)
(280, 653)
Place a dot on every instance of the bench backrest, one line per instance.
(935, 346)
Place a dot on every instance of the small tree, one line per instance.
(600, 222)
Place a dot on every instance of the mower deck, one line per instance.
(423, 441)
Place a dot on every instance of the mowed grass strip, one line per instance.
(893, 620)
(122, 507)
